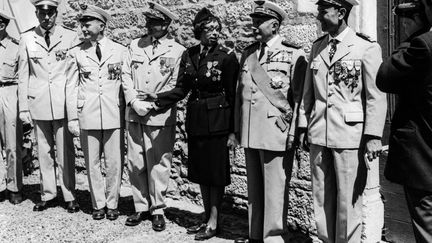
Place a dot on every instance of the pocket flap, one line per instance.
(354, 117)
(137, 58)
(216, 102)
(35, 54)
(273, 112)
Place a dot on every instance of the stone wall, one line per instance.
(128, 23)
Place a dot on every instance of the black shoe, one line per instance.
(195, 229)
(15, 197)
(43, 205)
(112, 214)
(136, 218)
(158, 222)
(2, 196)
(206, 233)
(246, 240)
(98, 214)
(72, 206)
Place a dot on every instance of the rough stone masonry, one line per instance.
(128, 23)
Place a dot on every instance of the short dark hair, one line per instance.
(199, 27)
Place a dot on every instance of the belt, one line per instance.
(6, 84)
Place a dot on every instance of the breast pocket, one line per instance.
(87, 72)
(35, 56)
(9, 69)
(137, 61)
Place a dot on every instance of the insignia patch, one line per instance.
(166, 65)
(114, 71)
(60, 54)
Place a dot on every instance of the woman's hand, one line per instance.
(232, 142)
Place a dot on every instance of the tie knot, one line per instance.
(334, 41)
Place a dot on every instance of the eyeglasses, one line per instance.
(211, 28)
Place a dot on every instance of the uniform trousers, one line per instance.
(10, 140)
(420, 208)
(104, 191)
(338, 181)
(149, 163)
(268, 175)
(55, 145)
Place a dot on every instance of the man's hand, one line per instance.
(25, 117)
(303, 139)
(232, 142)
(141, 107)
(146, 96)
(373, 148)
(290, 143)
(74, 128)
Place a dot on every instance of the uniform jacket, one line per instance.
(255, 114)
(42, 72)
(341, 102)
(9, 66)
(94, 93)
(152, 71)
(408, 73)
(212, 76)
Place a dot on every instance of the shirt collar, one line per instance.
(160, 40)
(102, 42)
(51, 31)
(341, 36)
(272, 41)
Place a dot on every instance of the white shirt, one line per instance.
(339, 37)
(269, 43)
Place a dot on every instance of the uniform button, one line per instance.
(330, 83)
(330, 105)
(148, 72)
(254, 91)
(253, 102)
(147, 82)
(330, 94)
(331, 72)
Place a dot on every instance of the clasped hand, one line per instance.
(141, 107)
(145, 96)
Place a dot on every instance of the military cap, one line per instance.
(45, 4)
(91, 11)
(264, 8)
(158, 12)
(4, 15)
(339, 3)
(202, 15)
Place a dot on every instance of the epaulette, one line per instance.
(31, 29)
(320, 38)
(68, 28)
(289, 44)
(225, 49)
(365, 37)
(15, 41)
(76, 45)
(118, 42)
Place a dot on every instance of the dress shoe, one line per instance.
(43, 205)
(158, 222)
(72, 206)
(195, 229)
(136, 218)
(247, 240)
(2, 196)
(206, 233)
(112, 214)
(15, 197)
(98, 214)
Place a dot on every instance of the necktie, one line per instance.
(155, 44)
(98, 51)
(262, 51)
(47, 38)
(203, 53)
(333, 48)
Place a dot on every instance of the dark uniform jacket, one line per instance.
(408, 73)
(208, 79)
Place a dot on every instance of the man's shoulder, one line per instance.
(171, 42)
(320, 39)
(224, 49)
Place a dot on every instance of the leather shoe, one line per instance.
(98, 214)
(136, 218)
(72, 206)
(247, 240)
(112, 214)
(195, 229)
(43, 205)
(15, 197)
(206, 233)
(158, 222)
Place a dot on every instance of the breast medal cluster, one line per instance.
(114, 71)
(282, 56)
(348, 71)
(60, 54)
(166, 65)
(212, 71)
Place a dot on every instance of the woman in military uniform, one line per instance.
(209, 71)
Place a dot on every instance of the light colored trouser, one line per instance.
(110, 142)
(11, 140)
(338, 181)
(149, 163)
(54, 136)
(268, 175)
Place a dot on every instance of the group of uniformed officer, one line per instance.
(95, 88)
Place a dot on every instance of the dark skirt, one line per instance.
(208, 162)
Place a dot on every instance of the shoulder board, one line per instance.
(320, 38)
(365, 37)
(68, 28)
(15, 41)
(76, 45)
(288, 44)
(225, 49)
(118, 42)
(252, 45)
(31, 29)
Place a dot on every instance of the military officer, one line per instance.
(10, 125)
(41, 90)
(95, 105)
(345, 114)
(271, 69)
(150, 67)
